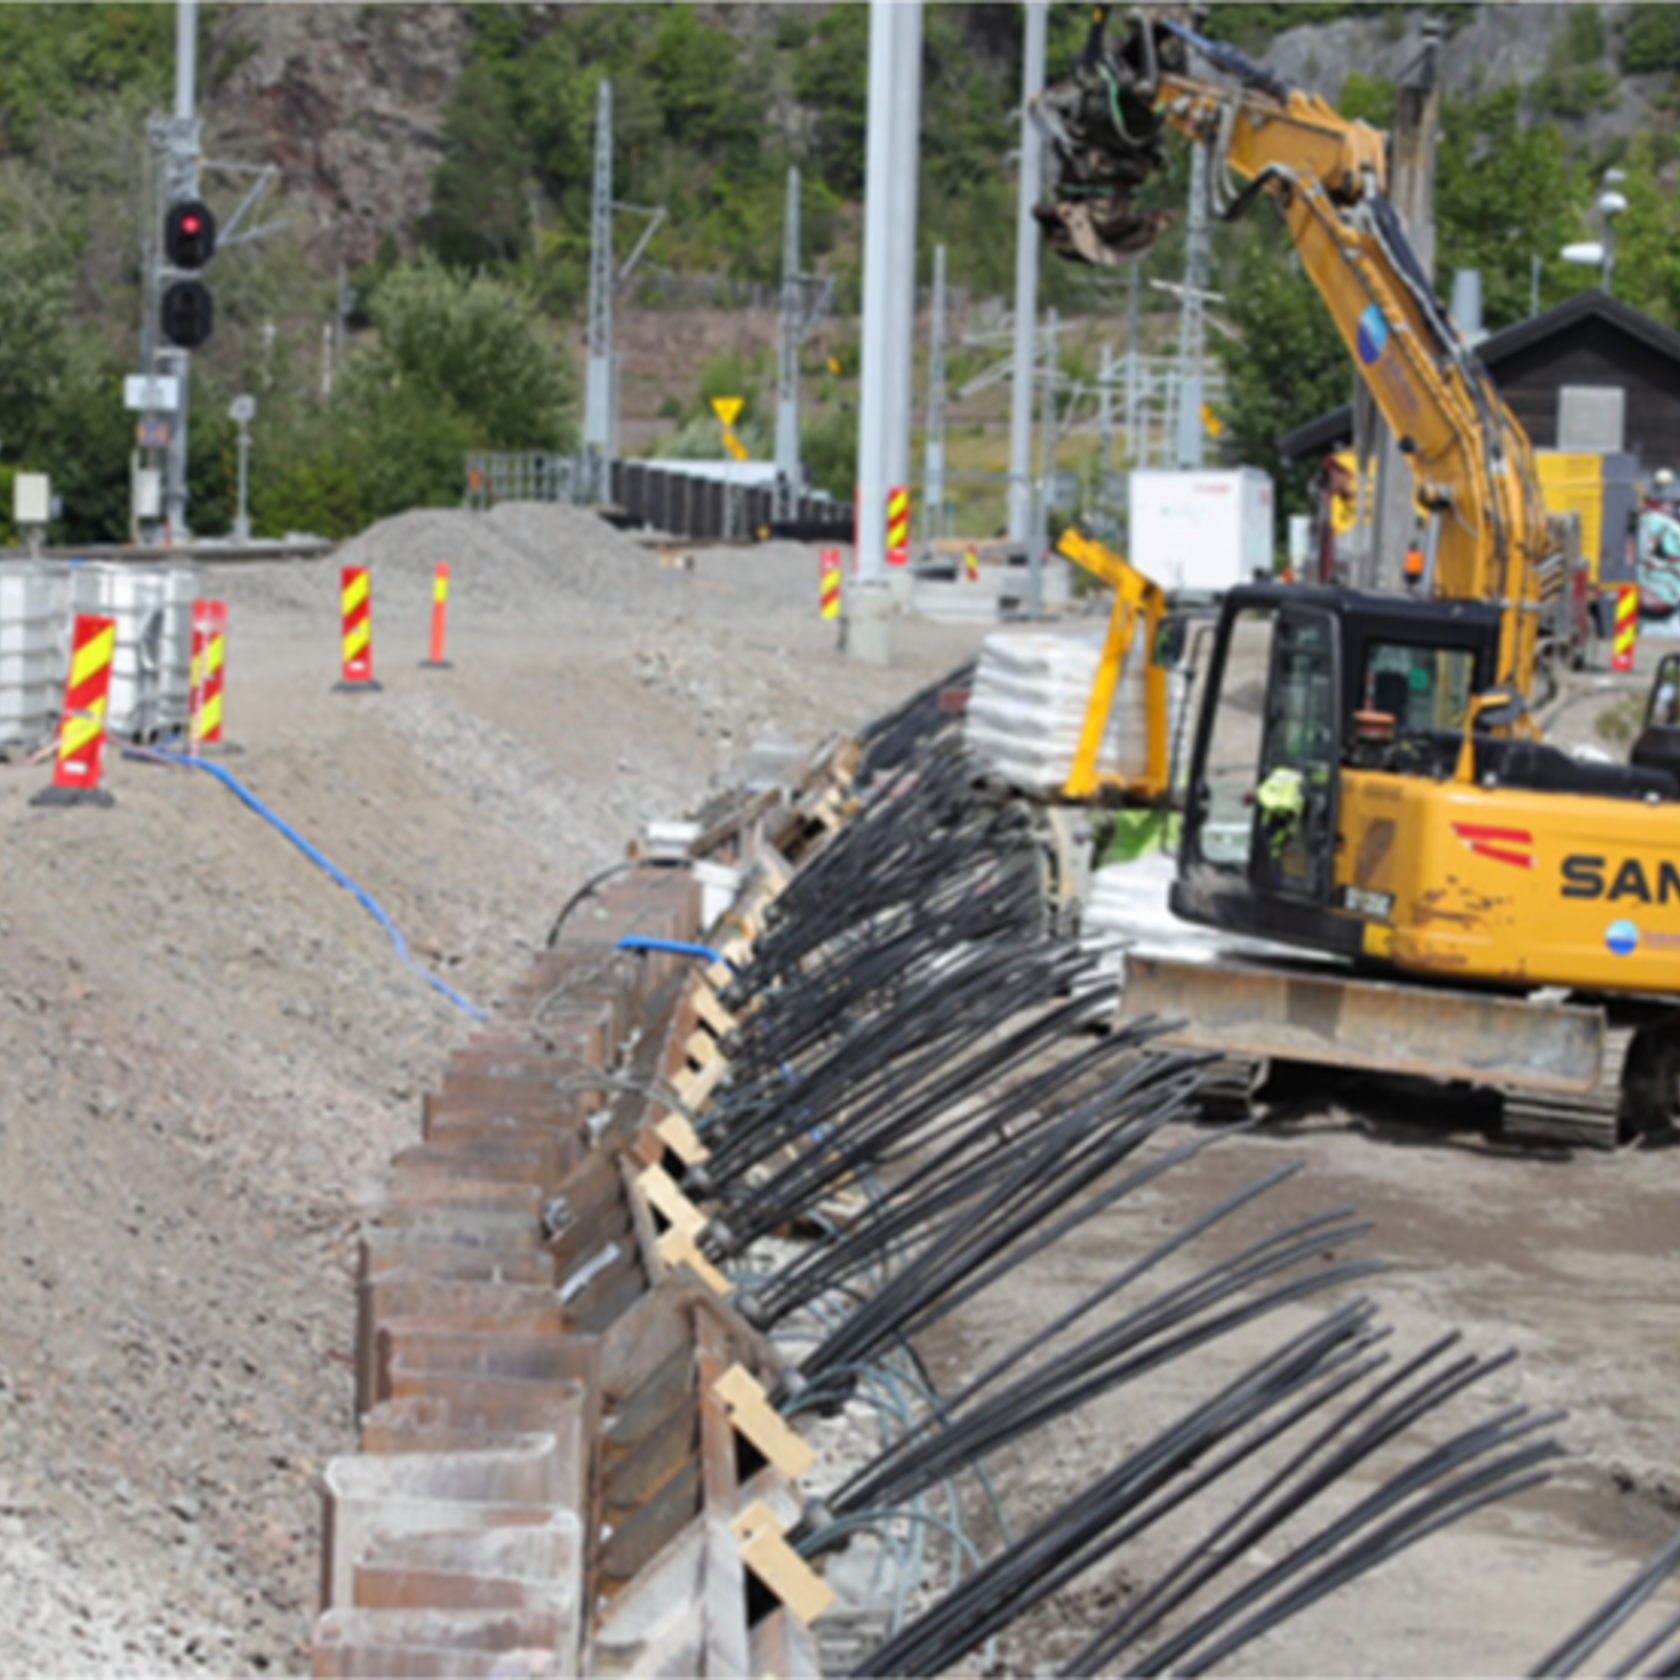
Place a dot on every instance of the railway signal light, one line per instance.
(189, 242)
(188, 314)
(189, 234)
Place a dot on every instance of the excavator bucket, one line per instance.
(1106, 142)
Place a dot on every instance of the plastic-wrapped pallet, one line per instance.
(180, 588)
(135, 596)
(1027, 707)
(34, 651)
(1128, 907)
(1128, 910)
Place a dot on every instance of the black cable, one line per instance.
(597, 881)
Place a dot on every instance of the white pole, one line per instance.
(788, 486)
(933, 437)
(186, 58)
(874, 378)
(901, 328)
(1026, 282)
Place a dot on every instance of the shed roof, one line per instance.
(1328, 430)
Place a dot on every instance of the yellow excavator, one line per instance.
(1365, 784)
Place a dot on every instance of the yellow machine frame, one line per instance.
(1138, 603)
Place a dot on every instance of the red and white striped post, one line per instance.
(898, 526)
(828, 583)
(1625, 639)
(81, 732)
(356, 611)
(209, 653)
(434, 661)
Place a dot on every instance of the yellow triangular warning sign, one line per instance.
(726, 408)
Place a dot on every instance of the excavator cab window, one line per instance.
(1224, 810)
(1412, 699)
(1264, 797)
(1421, 688)
(1663, 709)
(1299, 759)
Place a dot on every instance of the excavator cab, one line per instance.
(1318, 706)
(1305, 683)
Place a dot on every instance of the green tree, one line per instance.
(1648, 237)
(1504, 194)
(479, 207)
(1287, 366)
(1575, 81)
(1652, 39)
(694, 69)
(82, 442)
(474, 344)
(1370, 99)
(828, 447)
(35, 338)
(53, 58)
(831, 80)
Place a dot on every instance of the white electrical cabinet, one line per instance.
(1202, 532)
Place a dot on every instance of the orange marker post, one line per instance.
(209, 654)
(898, 526)
(828, 583)
(81, 733)
(435, 661)
(1626, 637)
(356, 597)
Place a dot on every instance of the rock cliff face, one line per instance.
(1500, 44)
(346, 100)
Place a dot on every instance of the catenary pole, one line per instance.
(1026, 280)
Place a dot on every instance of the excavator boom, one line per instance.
(1486, 535)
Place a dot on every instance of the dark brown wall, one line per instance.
(1597, 353)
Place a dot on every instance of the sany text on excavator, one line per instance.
(1365, 782)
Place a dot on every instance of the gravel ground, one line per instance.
(208, 1051)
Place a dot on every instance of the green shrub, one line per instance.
(1652, 39)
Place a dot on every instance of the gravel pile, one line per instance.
(536, 559)
(523, 560)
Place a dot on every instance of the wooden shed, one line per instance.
(1591, 374)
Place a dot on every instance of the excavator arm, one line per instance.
(1486, 534)
(1139, 605)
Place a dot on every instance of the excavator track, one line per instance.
(1235, 1088)
(1592, 1120)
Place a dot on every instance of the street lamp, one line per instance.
(1601, 253)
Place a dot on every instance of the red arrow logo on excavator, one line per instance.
(1497, 843)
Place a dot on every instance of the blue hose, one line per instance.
(373, 908)
(670, 948)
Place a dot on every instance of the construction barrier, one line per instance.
(1626, 635)
(209, 652)
(828, 583)
(440, 612)
(971, 565)
(898, 526)
(356, 596)
(81, 735)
